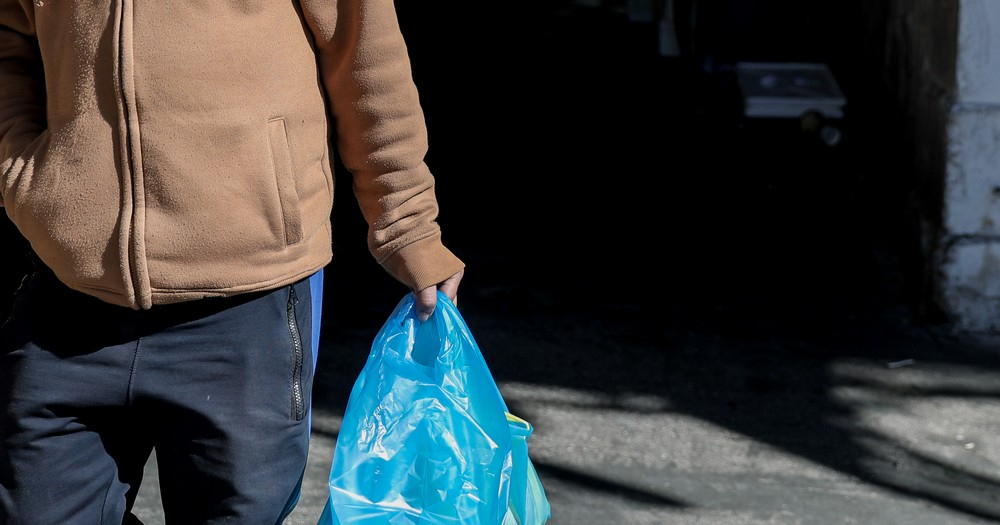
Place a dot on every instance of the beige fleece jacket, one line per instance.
(156, 151)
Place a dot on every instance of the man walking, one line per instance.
(170, 165)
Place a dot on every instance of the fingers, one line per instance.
(449, 287)
(426, 299)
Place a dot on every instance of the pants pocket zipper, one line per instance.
(298, 398)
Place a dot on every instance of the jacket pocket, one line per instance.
(284, 174)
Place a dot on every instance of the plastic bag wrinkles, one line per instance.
(427, 437)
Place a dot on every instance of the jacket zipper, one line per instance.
(298, 399)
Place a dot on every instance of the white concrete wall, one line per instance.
(973, 289)
(972, 184)
(978, 60)
(970, 257)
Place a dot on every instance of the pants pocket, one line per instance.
(14, 302)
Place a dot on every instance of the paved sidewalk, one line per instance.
(686, 425)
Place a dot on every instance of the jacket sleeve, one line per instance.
(381, 135)
(22, 97)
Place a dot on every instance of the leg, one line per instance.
(231, 386)
(68, 453)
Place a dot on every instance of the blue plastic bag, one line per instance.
(426, 436)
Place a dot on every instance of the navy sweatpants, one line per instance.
(219, 389)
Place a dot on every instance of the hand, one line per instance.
(427, 298)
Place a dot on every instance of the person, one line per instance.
(171, 166)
